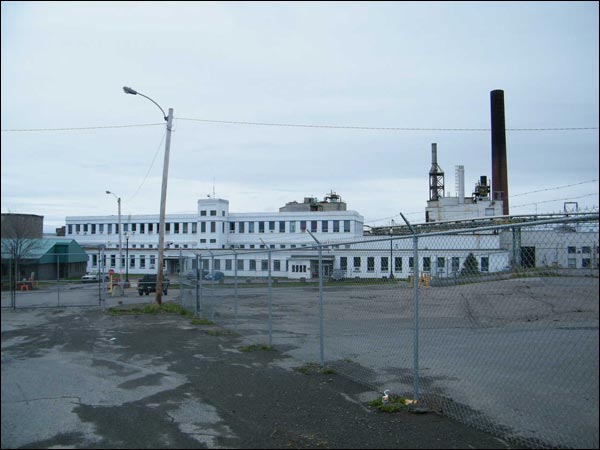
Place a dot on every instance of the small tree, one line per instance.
(470, 266)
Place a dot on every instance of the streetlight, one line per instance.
(163, 193)
(127, 260)
(391, 254)
(120, 244)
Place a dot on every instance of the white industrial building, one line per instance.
(236, 243)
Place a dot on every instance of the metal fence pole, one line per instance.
(321, 333)
(416, 309)
(270, 302)
(321, 343)
(235, 290)
(197, 286)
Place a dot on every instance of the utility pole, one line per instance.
(163, 193)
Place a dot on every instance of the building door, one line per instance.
(528, 257)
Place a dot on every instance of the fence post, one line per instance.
(235, 290)
(321, 334)
(270, 302)
(416, 309)
(321, 343)
(197, 286)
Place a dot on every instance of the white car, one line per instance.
(93, 277)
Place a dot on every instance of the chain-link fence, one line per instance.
(496, 327)
(52, 280)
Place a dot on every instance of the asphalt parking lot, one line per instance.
(81, 378)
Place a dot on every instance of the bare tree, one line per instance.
(20, 239)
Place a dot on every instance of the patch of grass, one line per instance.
(394, 404)
(314, 368)
(169, 308)
(257, 347)
(201, 321)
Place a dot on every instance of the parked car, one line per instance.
(216, 275)
(93, 277)
(147, 284)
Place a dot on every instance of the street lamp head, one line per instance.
(128, 90)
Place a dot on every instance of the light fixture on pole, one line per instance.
(126, 260)
(120, 230)
(163, 193)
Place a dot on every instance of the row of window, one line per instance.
(251, 264)
(315, 226)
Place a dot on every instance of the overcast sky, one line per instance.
(344, 64)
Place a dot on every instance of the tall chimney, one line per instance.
(436, 176)
(459, 182)
(499, 168)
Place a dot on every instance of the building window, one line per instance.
(485, 264)
(398, 264)
(202, 212)
(586, 250)
(150, 228)
(152, 261)
(303, 225)
(343, 263)
(281, 226)
(113, 260)
(252, 264)
(185, 228)
(441, 264)
(370, 264)
(313, 226)
(132, 262)
(357, 263)
(202, 227)
(261, 227)
(336, 226)
(109, 228)
(228, 264)
(250, 227)
(384, 264)
(325, 226)
(346, 226)
(455, 264)
(586, 263)
(142, 262)
(213, 241)
(411, 262)
(93, 228)
(276, 265)
(264, 265)
(213, 212)
(426, 264)
(292, 226)
(101, 229)
(570, 250)
(213, 227)
(69, 229)
(241, 227)
(217, 264)
(94, 260)
(271, 225)
(167, 228)
(240, 264)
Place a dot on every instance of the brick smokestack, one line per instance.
(499, 167)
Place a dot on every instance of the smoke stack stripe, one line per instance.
(499, 167)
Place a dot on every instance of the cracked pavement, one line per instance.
(75, 378)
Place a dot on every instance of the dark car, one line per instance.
(216, 275)
(147, 284)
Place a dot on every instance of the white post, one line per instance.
(163, 206)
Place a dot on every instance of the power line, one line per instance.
(554, 188)
(297, 125)
(555, 200)
(80, 128)
(344, 127)
(149, 168)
